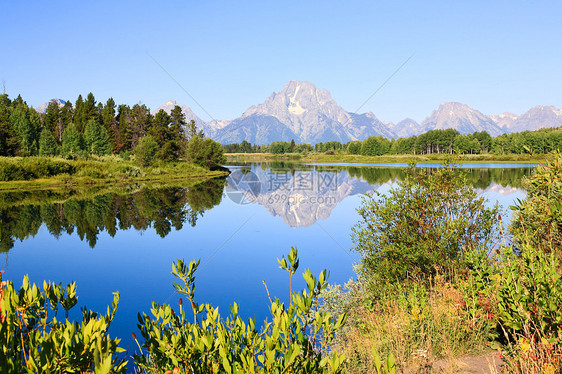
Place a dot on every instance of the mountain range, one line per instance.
(307, 114)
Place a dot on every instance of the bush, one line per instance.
(424, 225)
(145, 151)
(27, 168)
(205, 152)
(293, 342)
(33, 340)
(537, 221)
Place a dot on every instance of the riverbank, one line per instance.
(42, 173)
(346, 158)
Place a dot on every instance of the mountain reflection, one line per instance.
(163, 209)
(299, 194)
(303, 194)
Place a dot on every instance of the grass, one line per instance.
(33, 173)
(419, 324)
(340, 157)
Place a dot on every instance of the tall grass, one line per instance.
(109, 167)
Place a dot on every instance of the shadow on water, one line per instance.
(64, 212)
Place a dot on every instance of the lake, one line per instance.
(238, 226)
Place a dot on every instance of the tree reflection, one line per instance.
(163, 209)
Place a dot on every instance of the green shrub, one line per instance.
(293, 342)
(538, 219)
(205, 152)
(145, 151)
(423, 226)
(27, 168)
(34, 340)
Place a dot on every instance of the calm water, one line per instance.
(238, 226)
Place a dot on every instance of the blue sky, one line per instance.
(495, 56)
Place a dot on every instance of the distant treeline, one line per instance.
(88, 127)
(447, 141)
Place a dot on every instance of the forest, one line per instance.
(88, 127)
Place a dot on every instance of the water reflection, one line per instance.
(303, 194)
(299, 194)
(163, 209)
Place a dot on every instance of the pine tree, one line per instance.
(96, 139)
(52, 119)
(71, 140)
(47, 144)
(108, 120)
(90, 109)
(159, 129)
(177, 124)
(79, 118)
(140, 120)
(191, 129)
(8, 139)
(66, 113)
(25, 129)
(124, 134)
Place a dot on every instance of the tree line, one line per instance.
(446, 141)
(90, 127)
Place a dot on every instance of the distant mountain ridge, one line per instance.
(302, 112)
(307, 114)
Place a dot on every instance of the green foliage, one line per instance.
(205, 152)
(354, 148)
(33, 340)
(72, 141)
(530, 294)
(170, 151)
(293, 342)
(47, 144)
(538, 219)
(28, 168)
(375, 146)
(96, 139)
(145, 151)
(426, 224)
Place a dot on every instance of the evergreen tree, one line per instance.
(191, 129)
(178, 123)
(66, 113)
(47, 144)
(79, 118)
(90, 109)
(71, 140)
(159, 129)
(96, 139)
(8, 138)
(140, 119)
(108, 120)
(124, 134)
(26, 131)
(52, 119)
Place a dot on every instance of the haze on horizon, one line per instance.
(497, 57)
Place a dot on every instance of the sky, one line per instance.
(494, 56)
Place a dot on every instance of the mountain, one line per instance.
(302, 112)
(461, 118)
(406, 128)
(189, 115)
(307, 114)
(537, 118)
(43, 107)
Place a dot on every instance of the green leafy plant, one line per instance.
(294, 341)
(538, 219)
(33, 340)
(423, 226)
